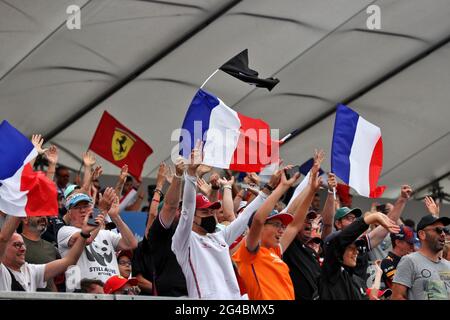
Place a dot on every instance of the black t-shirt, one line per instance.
(304, 269)
(142, 262)
(170, 280)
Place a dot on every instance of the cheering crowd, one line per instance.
(209, 236)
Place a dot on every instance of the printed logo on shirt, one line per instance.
(102, 253)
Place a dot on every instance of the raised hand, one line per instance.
(180, 166)
(87, 229)
(204, 187)
(161, 176)
(319, 155)
(224, 182)
(284, 181)
(113, 211)
(98, 171)
(332, 181)
(405, 192)
(432, 207)
(214, 180)
(275, 178)
(383, 220)
(88, 159)
(169, 174)
(123, 172)
(314, 180)
(38, 141)
(106, 199)
(52, 155)
(254, 178)
(196, 158)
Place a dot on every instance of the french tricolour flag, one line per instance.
(231, 140)
(23, 192)
(357, 152)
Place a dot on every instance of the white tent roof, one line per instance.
(143, 60)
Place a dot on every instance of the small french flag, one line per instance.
(357, 152)
(231, 140)
(23, 192)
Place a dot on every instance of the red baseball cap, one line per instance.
(114, 283)
(202, 202)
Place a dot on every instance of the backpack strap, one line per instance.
(15, 285)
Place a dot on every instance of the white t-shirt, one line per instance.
(205, 260)
(30, 277)
(98, 260)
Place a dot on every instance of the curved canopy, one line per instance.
(143, 61)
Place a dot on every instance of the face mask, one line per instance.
(209, 224)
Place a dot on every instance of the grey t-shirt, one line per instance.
(426, 279)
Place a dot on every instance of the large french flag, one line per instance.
(231, 140)
(357, 152)
(23, 192)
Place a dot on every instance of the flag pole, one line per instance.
(209, 78)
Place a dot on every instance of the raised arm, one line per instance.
(227, 201)
(9, 227)
(52, 156)
(431, 206)
(37, 141)
(173, 195)
(329, 208)
(183, 231)
(238, 226)
(88, 163)
(379, 233)
(128, 241)
(153, 209)
(305, 199)
(254, 235)
(121, 181)
(56, 267)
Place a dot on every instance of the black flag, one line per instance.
(238, 68)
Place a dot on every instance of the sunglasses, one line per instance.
(439, 230)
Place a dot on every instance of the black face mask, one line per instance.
(209, 224)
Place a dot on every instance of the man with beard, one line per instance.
(38, 251)
(424, 275)
(18, 275)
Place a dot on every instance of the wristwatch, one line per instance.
(86, 236)
(268, 187)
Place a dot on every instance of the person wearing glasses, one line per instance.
(18, 275)
(424, 274)
(99, 260)
(124, 258)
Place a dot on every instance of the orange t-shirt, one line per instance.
(265, 275)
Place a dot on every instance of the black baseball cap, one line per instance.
(430, 219)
